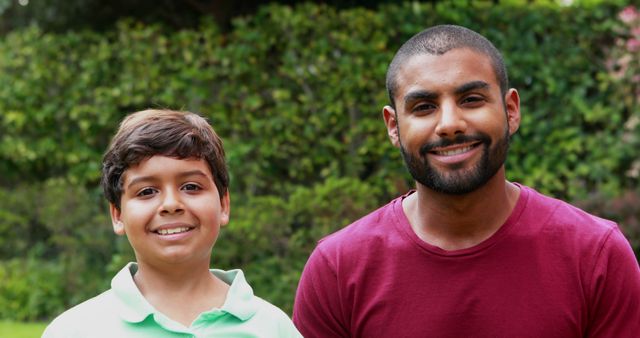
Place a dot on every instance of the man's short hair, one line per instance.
(147, 133)
(438, 40)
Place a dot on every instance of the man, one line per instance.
(467, 254)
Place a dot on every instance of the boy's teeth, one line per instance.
(454, 152)
(172, 231)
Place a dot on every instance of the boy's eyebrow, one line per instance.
(469, 86)
(195, 172)
(180, 175)
(138, 180)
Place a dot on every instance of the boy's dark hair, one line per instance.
(169, 133)
(438, 40)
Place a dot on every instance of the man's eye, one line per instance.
(472, 99)
(191, 186)
(146, 192)
(424, 107)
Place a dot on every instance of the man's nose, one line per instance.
(450, 120)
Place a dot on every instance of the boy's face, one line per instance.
(170, 210)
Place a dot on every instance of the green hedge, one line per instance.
(296, 93)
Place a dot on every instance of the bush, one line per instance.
(56, 242)
(296, 93)
(270, 237)
(284, 77)
(30, 289)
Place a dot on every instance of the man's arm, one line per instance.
(317, 310)
(615, 290)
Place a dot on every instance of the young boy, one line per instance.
(165, 177)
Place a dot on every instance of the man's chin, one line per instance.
(456, 181)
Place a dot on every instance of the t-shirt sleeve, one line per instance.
(317, 310)
(615, 290)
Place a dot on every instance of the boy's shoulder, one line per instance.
(241, 301)
(257, 316)
(268, 310)
(104, 315)
(92, 315)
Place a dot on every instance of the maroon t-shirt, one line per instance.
(551, 270)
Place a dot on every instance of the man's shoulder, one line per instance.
(86, 315)
(379, 224)
(563, 216)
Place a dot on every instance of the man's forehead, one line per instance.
(452, 54)
(460, 63)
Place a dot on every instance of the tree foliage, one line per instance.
(296, 93)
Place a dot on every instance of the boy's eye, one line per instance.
(191, 186)
(146, 192)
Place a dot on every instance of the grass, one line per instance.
(21, 330)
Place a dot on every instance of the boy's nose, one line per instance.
(171, 204)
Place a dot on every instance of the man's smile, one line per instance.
(454, 149)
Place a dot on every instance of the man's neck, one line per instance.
(181, 293)
(455, 222)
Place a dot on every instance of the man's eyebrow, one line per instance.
(469, 86)
(419, 95)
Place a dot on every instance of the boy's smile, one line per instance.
(173, 229)
(170, 210)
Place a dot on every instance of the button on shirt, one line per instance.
(123, 311)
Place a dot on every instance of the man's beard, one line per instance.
(458, 180)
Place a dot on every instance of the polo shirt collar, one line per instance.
(240, 301)
(134, 308)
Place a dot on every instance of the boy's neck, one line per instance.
(181, 292)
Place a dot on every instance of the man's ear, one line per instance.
(512, 105)
(225, 209)
(116, 221)
(391, 121)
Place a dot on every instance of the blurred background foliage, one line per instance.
(296, 92)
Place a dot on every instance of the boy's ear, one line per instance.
(225, 209)
(391, 121)
(118, 226)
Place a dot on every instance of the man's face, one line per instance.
(451, 123)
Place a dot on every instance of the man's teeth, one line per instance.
(454, 151)
(172, 231)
